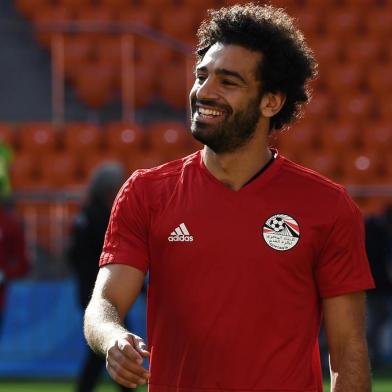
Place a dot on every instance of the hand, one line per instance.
(124, 361)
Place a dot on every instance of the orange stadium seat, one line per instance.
(343, 22)
(96, 13)
(319, 108)
(148, 51)
(168, 23)
(80, 138)
(124, 138)
(108, 49)
(169, 138)
(28, 7)
(326, 49)
(196, 5)
(23, 171)
(7, 134)
(74, 5)
(144, 160)
(386, 168)
(173, 85)
(379, 80)
(377, 136)
(378, 23)
(58, 170)
(95, 84)
(360, 167)
(290, 6)
(139, 15)
(384, 108)
(339, 136)
(318, 4)
(145, 83)
(47, 18)
(363, 50)
(323, 162)
(37, 137)
(302, 136)
(157, 5)
(78, 49)
(364, 5)
(116, 6)
(93, 159)
(344, 78)
(354, 107)
(310, 21)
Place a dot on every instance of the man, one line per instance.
(85, 245)
(378, 229)
(245, 249)
(14, 262)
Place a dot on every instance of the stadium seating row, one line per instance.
(317, 131)
(349, 38)
(46, 158)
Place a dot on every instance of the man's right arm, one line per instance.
(116, 289)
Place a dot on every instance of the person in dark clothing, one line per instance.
(86, 241)
(14, 262)
(379, 250)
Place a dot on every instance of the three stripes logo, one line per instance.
(180, 234)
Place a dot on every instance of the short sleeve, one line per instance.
(126, 235)
(342, 266)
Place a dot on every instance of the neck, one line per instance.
(235, 169)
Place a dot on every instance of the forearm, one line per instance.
(350, 371)
(102, 324)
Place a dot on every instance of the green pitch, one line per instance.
(382, 385)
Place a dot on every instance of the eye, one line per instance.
(228, 82)
(200, 78)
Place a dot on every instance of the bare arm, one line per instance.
(344, 321)
(116, 289)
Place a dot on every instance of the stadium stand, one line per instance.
(348, 120)
(345, 134)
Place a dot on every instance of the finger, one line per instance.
(141, 347)
(118, 379)
(116, 370)
(116, 356)
(128, 349)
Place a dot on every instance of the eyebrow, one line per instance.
(224, 72)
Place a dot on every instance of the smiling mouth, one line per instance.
(209, 113)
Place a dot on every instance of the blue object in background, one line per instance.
(42, 330)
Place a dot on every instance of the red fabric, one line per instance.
(226, 311)
(13, 258)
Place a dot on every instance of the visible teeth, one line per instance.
(210, 112)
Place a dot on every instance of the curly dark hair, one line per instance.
(287, 64)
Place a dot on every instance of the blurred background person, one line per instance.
(86, 240)
(13, 254)
(379, 250)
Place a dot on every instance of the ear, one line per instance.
(271, 103)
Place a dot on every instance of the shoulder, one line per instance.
(164, 174)
(150, 187)
(310, 182)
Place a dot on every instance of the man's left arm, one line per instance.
(344, 323)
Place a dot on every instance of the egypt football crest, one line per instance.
(281, 232)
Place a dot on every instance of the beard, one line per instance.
(233, 132)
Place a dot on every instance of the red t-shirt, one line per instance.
(236, 278)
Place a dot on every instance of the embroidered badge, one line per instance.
(281, 232)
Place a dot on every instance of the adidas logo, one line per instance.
(180, 234)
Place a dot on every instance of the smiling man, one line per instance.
(245, 250)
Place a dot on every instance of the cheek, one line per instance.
(192, 94)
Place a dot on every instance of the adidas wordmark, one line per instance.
(180, 234)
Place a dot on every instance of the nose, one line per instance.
(207, 89)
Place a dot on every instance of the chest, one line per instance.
(254, 238)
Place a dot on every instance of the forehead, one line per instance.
(232, 57)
